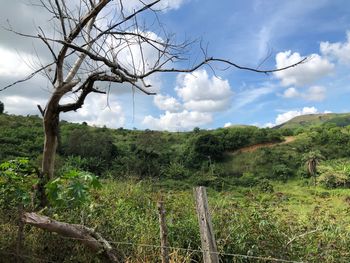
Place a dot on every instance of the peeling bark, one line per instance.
(85, 235)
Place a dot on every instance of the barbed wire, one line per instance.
(192, 250)
(264, 258)
(26, 256)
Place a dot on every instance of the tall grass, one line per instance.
(293, 223)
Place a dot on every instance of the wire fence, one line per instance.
(234, 255)
(23, 256)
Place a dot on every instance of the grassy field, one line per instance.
(294, 222)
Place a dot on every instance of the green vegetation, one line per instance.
(263, 200)
(16, 180)
(2, 107)
(340, 119)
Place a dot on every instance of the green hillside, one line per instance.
(339, 119)
(264, 203)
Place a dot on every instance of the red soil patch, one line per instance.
(254, 147)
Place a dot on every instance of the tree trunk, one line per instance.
(51, 122)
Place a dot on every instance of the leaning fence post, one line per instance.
(210, 253)
(163, 232)
(20, 235)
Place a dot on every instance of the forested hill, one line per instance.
(176, 155)
(339, 119)
(120, 149)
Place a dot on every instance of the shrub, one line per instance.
(175, 170)
(265, 186)
(334, 180)
(17, 178)
(281, 172)
(95, 146)
(2, 107)
(73, 189)
(248, 180)
(208, 146)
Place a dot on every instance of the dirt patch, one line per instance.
(254, 147)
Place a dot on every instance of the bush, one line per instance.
(73, 189)
(248, 180)
(2, 107)
(17, 180)
(208, 146)
(96, 147)
(265, 186)
(175, 170)
(334, 180)
(281, 172)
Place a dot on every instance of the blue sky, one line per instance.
(245, 32)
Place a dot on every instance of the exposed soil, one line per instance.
(254, 147)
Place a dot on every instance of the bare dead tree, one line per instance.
(99, 41)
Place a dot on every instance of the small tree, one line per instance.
(208, 146)
(100, 41)
(2, 107)
(312, 159)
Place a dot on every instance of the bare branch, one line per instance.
(81, 57)
(61, 18)
(43, 38)
(31, 75)
(302, 235)
(42, 111)
(209, 60)
(145, 7)
(74, 33)
(88, 236)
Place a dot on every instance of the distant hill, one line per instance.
(340, 119)
(240, 126)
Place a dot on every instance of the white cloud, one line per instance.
(202, 93)
(286, 116)
(199, 86)
(201, 96)
(291, 93)
(138, 56)
(264, 37)
(13, 64)
(179, 121)
(166, 5)
(314, 68)
(313, 93)
(338, 50)
(99, 112)
(268, 125)
(227, 124)
(208, 105)
(18, 105)
(281, 118)
(249, 96)
(167, 103)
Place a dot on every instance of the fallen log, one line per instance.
(85, 235)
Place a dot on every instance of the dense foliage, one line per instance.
(17, 179)
(263, 199)
(124, 153)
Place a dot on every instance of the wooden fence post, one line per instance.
(163, 232)
(20, 235)
(210, 253)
